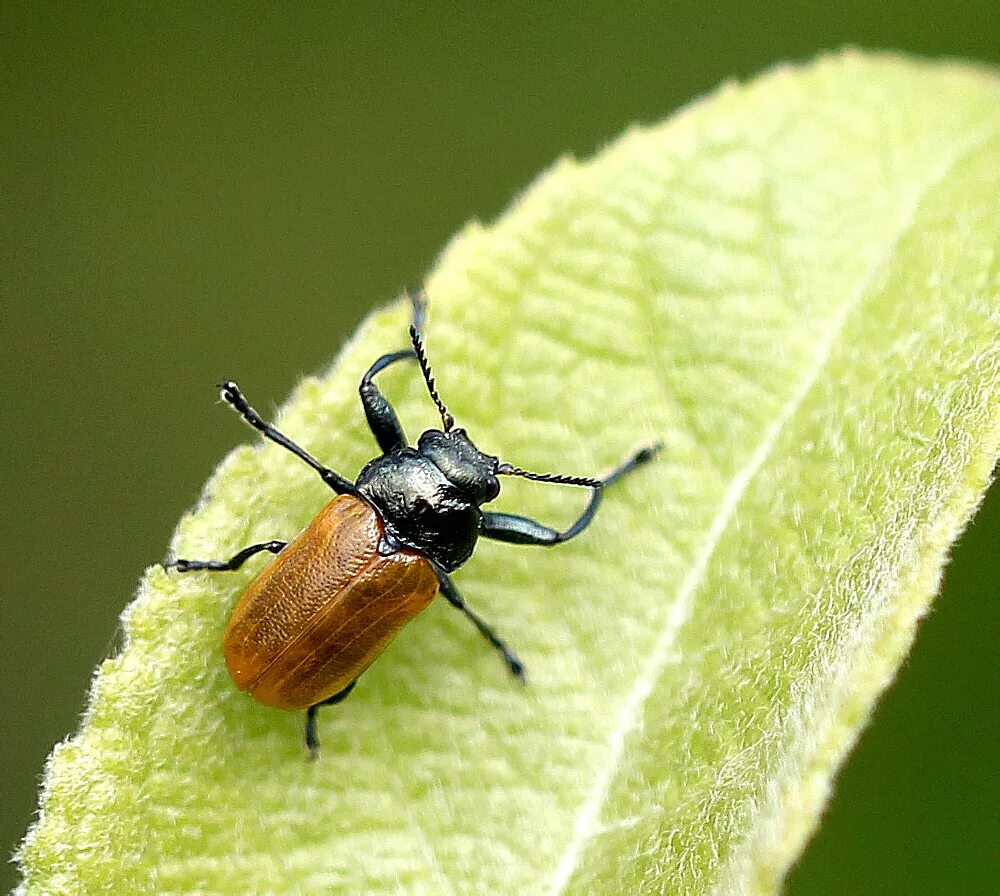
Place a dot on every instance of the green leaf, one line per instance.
(794, 285)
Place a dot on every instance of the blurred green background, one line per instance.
(197, 191)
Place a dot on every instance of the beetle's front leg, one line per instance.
(382, 419)
(230, 565)
(516, 529)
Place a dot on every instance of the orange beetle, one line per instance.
(377, 554)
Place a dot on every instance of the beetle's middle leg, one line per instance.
(453, 597)
(232, 395)
(312, 738)
(230, 565)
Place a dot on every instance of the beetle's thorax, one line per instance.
(429, 497)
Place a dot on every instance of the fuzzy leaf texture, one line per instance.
(793, 284)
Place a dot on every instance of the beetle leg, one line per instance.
(233, 563)
(382, 419)
(231, 393)
(522, 530)
(312, 738)
(453, 597)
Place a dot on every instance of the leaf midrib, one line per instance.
(586, 824)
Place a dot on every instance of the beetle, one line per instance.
(376, 555)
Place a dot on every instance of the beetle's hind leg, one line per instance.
(312, 738)
(230, 565)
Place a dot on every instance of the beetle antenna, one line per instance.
(509, 470)
(418, 349)
(418, 299)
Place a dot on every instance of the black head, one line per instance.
(451, 450)
(463, 464)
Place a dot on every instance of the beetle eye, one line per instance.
(493, 489)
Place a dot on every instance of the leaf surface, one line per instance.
(794, 284)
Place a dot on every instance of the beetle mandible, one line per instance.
(334, 597)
